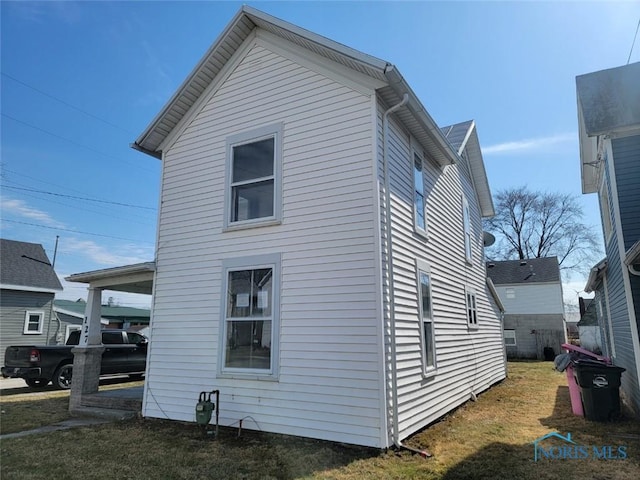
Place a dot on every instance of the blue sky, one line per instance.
(81, 80)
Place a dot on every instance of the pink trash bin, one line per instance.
(574, 388)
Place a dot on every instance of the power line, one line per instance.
(72, 141)
(77, 198)
(74, 231)
(634, 41)
(95, 117)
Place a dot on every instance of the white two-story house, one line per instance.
(320, 248)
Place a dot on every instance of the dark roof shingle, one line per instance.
(26, 265)
(531, 270)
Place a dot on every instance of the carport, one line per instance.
(137, 278)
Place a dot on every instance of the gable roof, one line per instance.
(532, 270)
(25, 266)
(464, 135)
(608, 101)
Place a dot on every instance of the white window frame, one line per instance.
(272, 261)
(466, 228)
(471, 304)
(27, 316)
(510, 330)
(605, 209)
(422, 267)
(417, 157)
(510, 292)
(274, 131)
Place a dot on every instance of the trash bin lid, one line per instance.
(574, 348)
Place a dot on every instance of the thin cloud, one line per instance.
(106, 256)
(530, 144)
(22, 209)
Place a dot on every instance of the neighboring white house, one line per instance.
(285, 158)
(531, 292)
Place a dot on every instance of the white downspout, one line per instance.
(389, 244)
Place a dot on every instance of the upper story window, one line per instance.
(253, 192)
(466, 222)
(420, 218)
(33, 322)
(425, 311)
(510, 292)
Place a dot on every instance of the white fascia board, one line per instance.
(325, 42)
(209, 92)
(594, 276)
(187, 81)
(109, 273)
(6, 286)
(633, 254)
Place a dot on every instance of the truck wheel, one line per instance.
(37, 382)
(62, 377)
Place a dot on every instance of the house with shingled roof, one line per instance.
(320, 247)
(28, 284)
(534, 318)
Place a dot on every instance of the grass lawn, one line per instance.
(490, 438)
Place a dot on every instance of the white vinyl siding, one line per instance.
(419, 204)
(33, 321)
(469, 361)
(328, 383)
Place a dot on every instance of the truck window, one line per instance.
(135, 337)
(110, 338)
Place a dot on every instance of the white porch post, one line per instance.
(88, 354)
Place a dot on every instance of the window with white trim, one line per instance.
(419, 204)
(605, 211)
(253, 191)
(425, 311)
(466, 222)
(33, 322)
(250, 316)
(472, 312)
(510, 338)
(510, 292)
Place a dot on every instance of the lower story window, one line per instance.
(33, 323)
(425, 311)
(510, 337)
(250, 319)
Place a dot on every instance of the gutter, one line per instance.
(387, 214)
(400, 86)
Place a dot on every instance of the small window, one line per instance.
(605, 210)
(425, 311)
(420, 219)
(253, 193)
(250, 318)
(112, 338)
(510, 338)
(472, 313)
(510, 292)
(33, 323)
(466, 221)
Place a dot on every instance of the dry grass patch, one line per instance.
(490, 438)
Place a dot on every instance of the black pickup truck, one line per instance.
(125, 352)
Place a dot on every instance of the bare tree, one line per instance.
(535, 224)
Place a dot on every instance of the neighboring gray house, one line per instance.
(71, 314)
(531, 292)
(288, 161)
(609, 128)
(28, 285)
